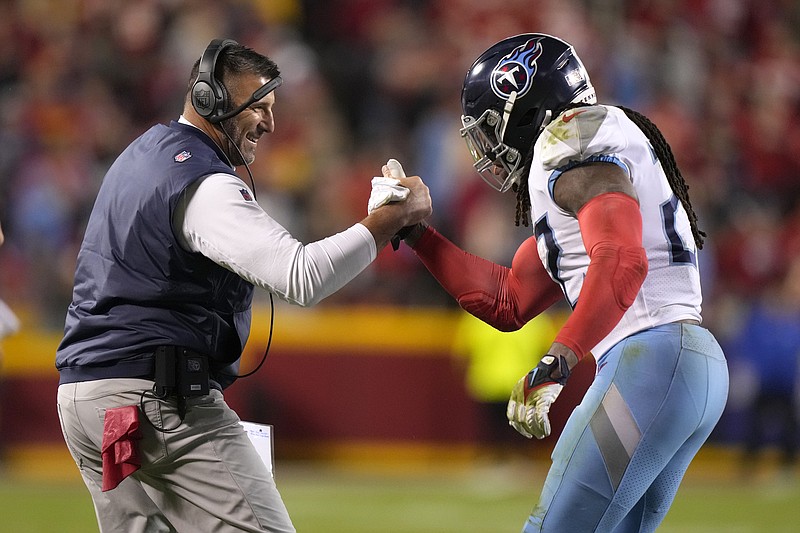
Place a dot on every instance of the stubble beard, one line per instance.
(233, 142)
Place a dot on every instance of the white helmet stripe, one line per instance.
(507, 113)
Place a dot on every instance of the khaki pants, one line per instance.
(203, 476)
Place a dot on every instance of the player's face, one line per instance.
(499, 170)
(494, 160)
(246, 128)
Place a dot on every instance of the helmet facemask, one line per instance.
(498, 164)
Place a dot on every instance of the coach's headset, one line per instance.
(209, 97)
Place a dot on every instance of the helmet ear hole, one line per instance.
(527, 119)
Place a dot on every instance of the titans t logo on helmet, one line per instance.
(515, 71)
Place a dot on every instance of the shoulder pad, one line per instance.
(568, 137)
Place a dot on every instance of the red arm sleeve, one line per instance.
(611, 227)
(505, 298)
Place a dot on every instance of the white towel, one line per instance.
(385, 190)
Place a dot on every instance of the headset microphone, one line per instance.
(260, 93)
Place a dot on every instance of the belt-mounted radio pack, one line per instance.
(180, 372)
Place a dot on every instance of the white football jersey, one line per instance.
(671, 290)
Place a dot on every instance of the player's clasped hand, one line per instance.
(529, 406)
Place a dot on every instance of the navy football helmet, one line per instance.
(511, 92)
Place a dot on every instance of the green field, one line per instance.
(475, 498)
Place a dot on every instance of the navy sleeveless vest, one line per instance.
(135, 287)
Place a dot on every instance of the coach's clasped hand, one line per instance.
(529, 406)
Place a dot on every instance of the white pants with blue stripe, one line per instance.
(616, 468)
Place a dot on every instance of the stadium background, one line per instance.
(370, 376)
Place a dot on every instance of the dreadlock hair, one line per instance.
(663, 153)
(521, 189)
(674, 177)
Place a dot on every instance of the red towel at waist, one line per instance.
(120, 449)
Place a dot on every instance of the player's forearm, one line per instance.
(493, 293)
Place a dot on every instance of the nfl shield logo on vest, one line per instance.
(183, 156)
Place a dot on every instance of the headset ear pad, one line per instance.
(209, 97)
(210, 100)
(203, 98)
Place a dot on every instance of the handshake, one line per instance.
(408, 196)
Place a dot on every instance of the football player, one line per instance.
(614, 233)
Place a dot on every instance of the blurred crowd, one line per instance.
(366, 80)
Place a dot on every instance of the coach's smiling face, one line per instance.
(246, 128)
